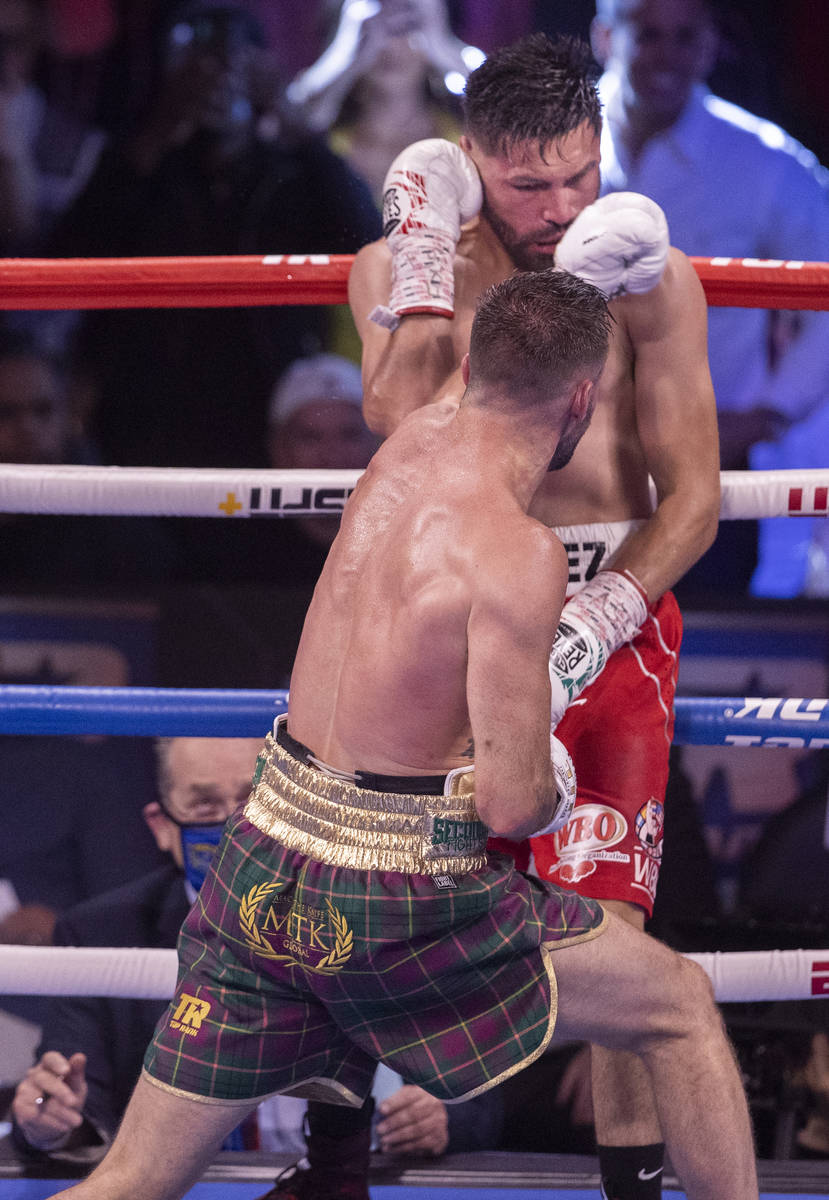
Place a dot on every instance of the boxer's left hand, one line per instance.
(620, 244)
(564, 774)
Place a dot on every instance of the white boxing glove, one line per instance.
(431, 188)
(601, 617)
(565, 777)
(620, 244)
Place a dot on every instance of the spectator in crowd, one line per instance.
(256, 566)
(813, 1138)
(772, 913)
(730, 184)
(387, 79)
(315, 420)
(793, 556)
(69, 1103)
(71, 829)
(46, 154)
(35, 420)
(794, 844)
(211, 170)
(46, 553)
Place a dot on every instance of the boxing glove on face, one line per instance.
(620, 244)
(431, 188)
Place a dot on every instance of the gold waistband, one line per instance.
(346, 826)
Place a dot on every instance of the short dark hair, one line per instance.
(536, 90)
(536, 331)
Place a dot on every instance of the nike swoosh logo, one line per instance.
(643, 1174)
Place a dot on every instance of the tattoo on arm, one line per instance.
(469, 752)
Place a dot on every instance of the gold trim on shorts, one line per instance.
(337, 823)
(547, 949)
(316, 1087)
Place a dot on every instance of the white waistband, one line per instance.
(591, 547)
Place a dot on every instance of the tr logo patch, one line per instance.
(188, 1014)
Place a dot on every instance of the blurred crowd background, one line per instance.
(129, 127)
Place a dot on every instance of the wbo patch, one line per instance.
(589, 837)
(297, 934)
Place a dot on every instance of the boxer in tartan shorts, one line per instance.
(298, 961)
(348, 916)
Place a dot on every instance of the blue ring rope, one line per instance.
(208, 712)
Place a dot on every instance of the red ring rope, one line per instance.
(235, 280)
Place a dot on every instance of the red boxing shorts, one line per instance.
(619, 733)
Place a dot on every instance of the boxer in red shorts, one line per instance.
(619, 731)
(352, 911)
(520, 193)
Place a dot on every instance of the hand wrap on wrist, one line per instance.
(565, 777)
(601, 617)
(431, 188)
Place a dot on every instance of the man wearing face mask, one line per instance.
(69, 1104)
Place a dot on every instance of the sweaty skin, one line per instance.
(655, 417)
(655, 411)
(436, 573)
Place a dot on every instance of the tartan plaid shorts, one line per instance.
(297, 975)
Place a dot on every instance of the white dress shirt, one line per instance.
(733, 184)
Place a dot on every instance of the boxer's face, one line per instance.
(214, 57)
(529, 200)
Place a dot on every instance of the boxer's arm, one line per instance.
(600, 618)
(406, 285)
(511, 627)
(676, 423)
(404, 370)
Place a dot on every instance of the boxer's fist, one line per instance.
(601, 617)
(620, 244)
(431, 188)
(565, 776)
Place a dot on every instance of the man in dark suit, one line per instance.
(68, 1105)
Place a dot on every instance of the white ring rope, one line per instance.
(131, 973)
(127, 973)
(193, 492)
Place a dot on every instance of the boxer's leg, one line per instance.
(626, 991)
(628, 1135)
(162, 1147)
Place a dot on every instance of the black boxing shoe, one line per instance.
(301, 1182)
(336, 1168)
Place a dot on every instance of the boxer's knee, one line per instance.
(687, 1010)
